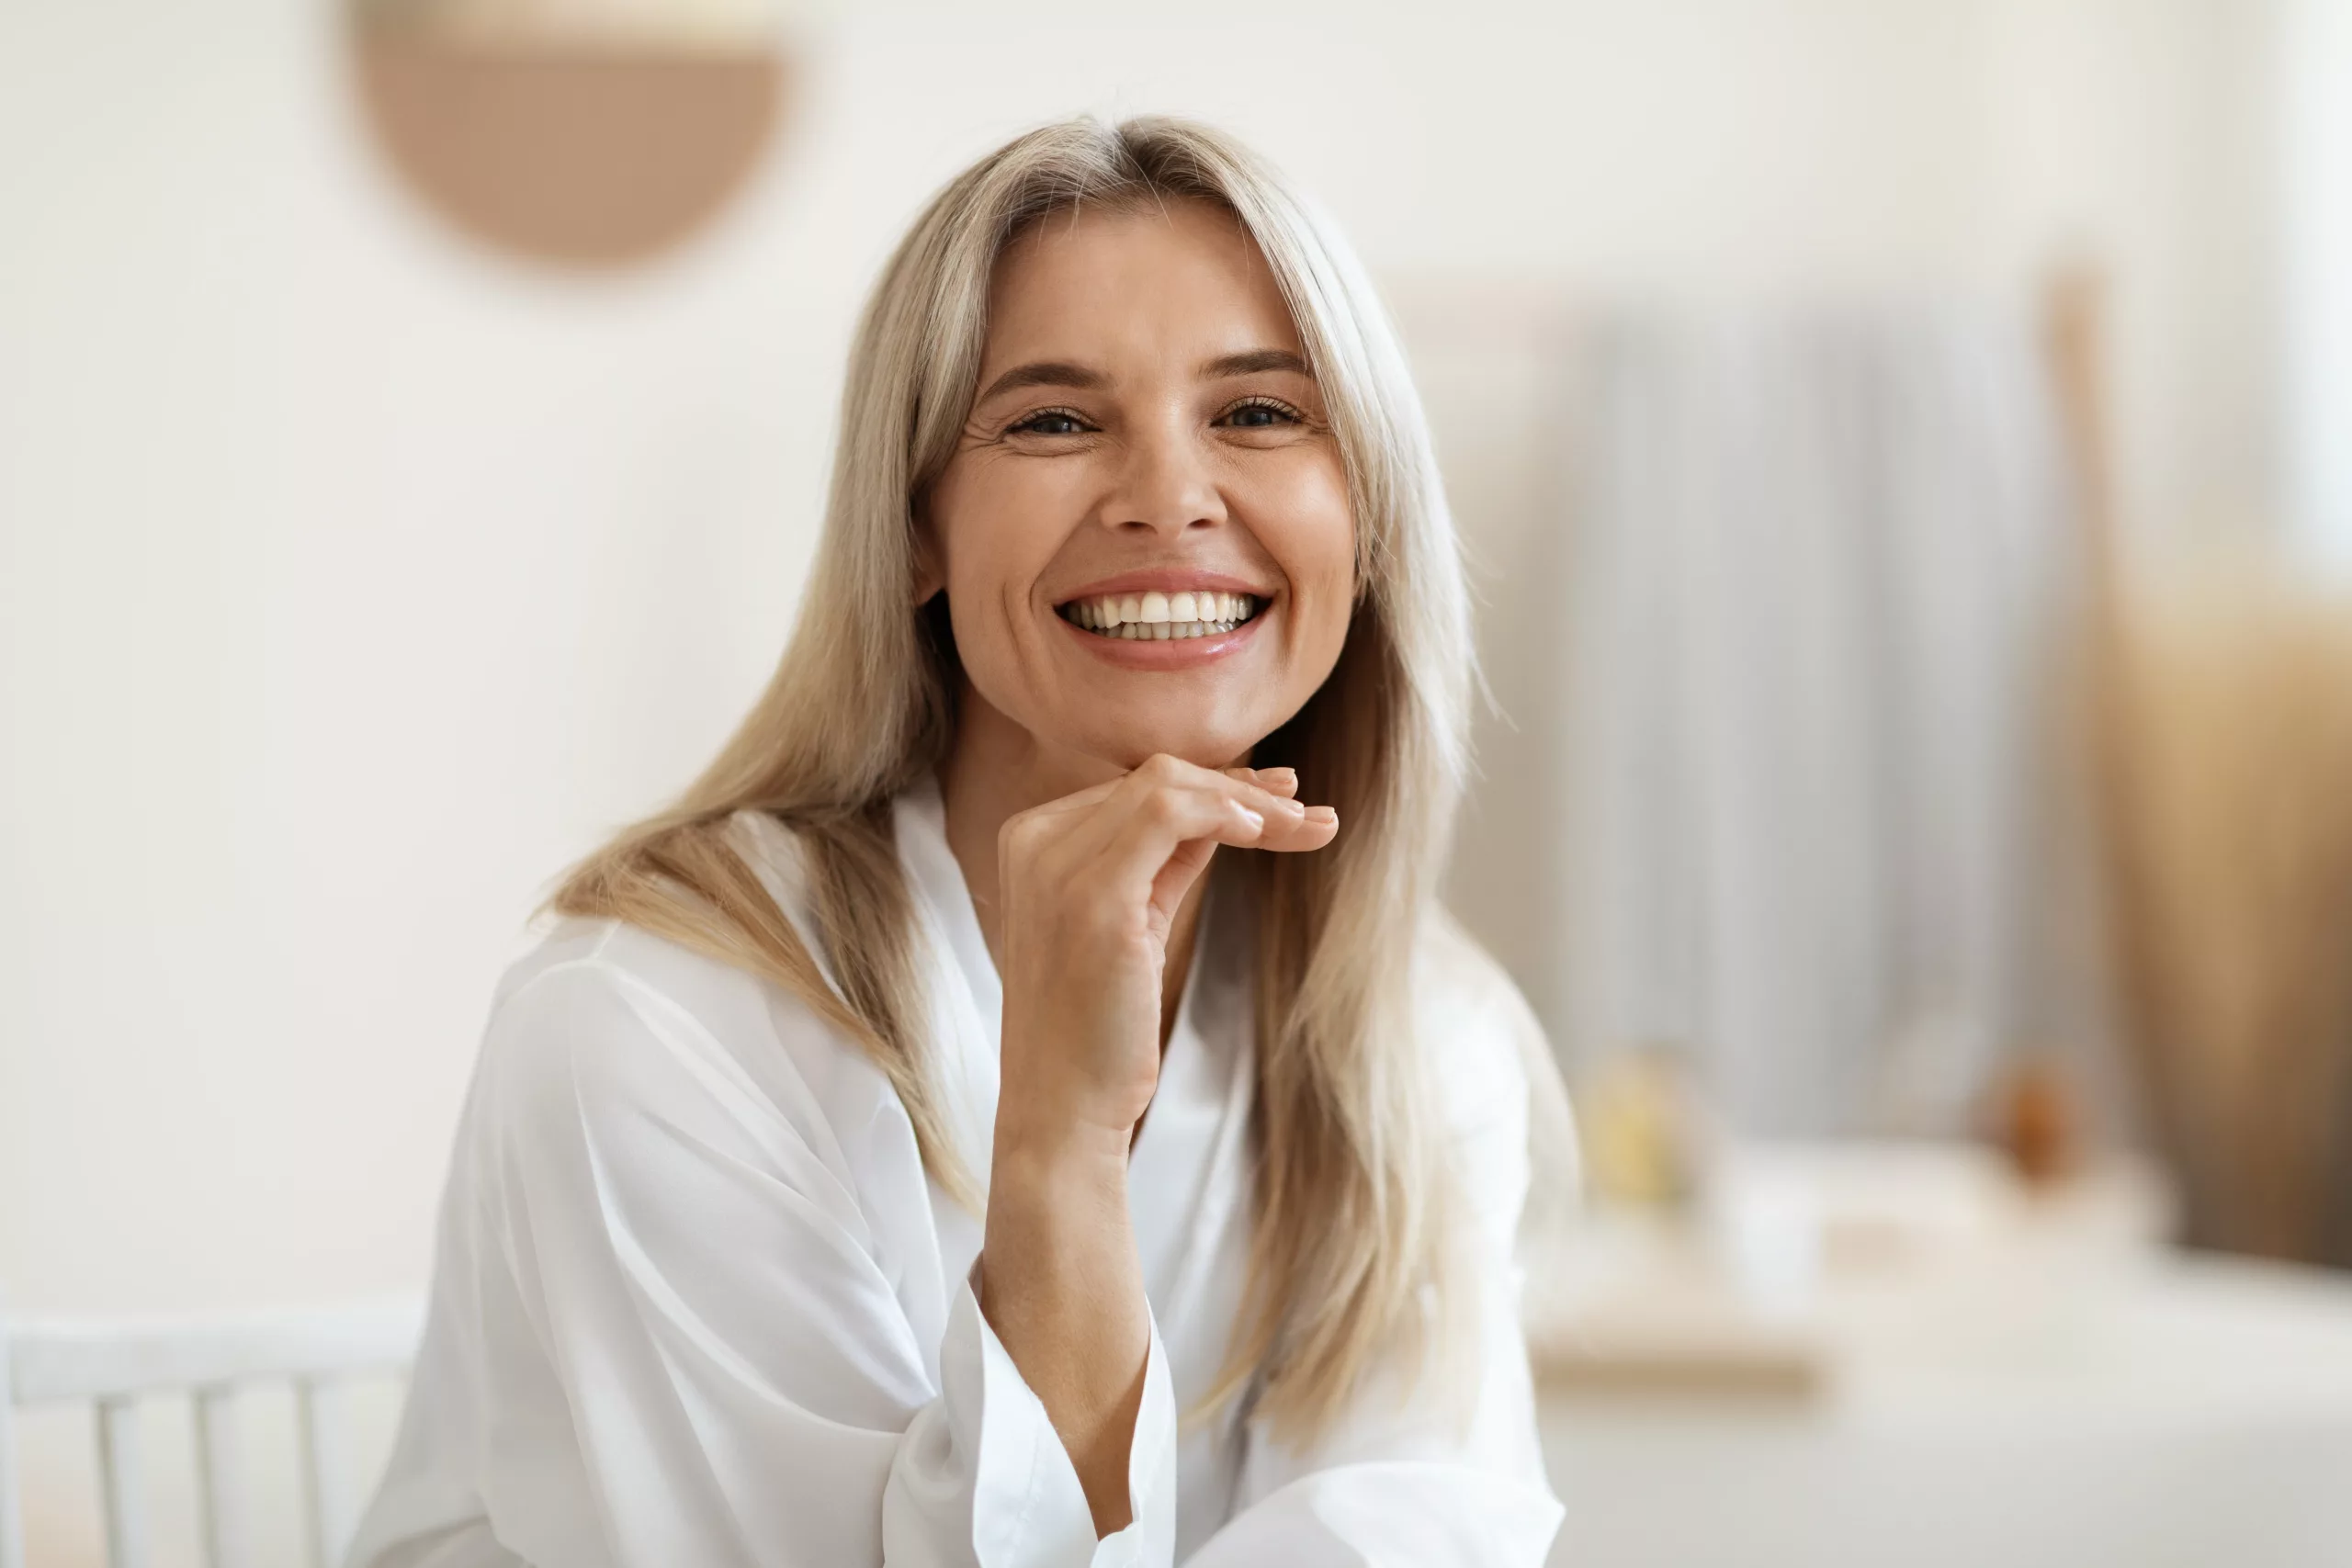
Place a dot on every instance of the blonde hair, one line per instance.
(1351, 1177)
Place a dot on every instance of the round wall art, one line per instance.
(581, 133)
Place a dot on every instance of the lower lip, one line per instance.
(1177, 653)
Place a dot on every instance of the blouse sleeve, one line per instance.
(1445, 1470)
(723, 1372)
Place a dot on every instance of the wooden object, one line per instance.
(580, 156)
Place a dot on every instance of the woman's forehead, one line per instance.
(1151, 278)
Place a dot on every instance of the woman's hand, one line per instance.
(1087, 892)
(1089, 887)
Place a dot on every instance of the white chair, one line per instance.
(113, 1366)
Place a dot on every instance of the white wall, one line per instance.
(354, 580)
(2315, 132)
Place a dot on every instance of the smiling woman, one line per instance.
(1037, 1023)
(1121, 466)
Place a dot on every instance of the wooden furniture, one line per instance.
(113, 1366)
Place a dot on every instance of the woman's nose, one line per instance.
(1166, 483)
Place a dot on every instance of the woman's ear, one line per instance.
(928, 577)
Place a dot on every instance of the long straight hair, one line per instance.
(1351, 1180)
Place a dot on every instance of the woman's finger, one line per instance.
(1083, 828)
(1274, 781)
(1083, 800)
(1167, 840)
(1272, 798)
(1176, 876)
(1158, 841)
(1154, 821)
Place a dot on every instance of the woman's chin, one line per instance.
(1204, 745)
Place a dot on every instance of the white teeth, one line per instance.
(1162, 618)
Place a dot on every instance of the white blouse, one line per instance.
(697, 1303)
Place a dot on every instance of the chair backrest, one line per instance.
(112, 1367)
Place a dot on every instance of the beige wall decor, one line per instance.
(588, 133)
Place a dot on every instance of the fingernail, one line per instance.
(1279, 775)
(1321, 814)
(1292, 807)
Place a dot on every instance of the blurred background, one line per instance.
(1900, 446)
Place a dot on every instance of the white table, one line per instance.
(2043, 1394)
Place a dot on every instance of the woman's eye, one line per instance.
(1052, 421)
(1258, 416)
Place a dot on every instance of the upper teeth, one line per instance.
(1161, 614)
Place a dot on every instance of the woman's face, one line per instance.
(1143, 533)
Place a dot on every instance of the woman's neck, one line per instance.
(997, 770)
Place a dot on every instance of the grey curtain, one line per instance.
(1821, 569)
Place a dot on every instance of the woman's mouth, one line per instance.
(1159, 618)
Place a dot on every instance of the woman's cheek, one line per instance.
(1307, 525)
(1005, 537)
(1307, 488)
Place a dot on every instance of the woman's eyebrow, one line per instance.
(1254, 362)
(1045, 373)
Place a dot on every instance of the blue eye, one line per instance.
(1052, 421)
(1258, 416)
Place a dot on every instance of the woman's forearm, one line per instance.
(1091, 893)
(1061, 1286)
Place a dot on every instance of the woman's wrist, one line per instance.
(1054, 1193)
(1059, 1282)
(1060, 1143)
(1057, 1203)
